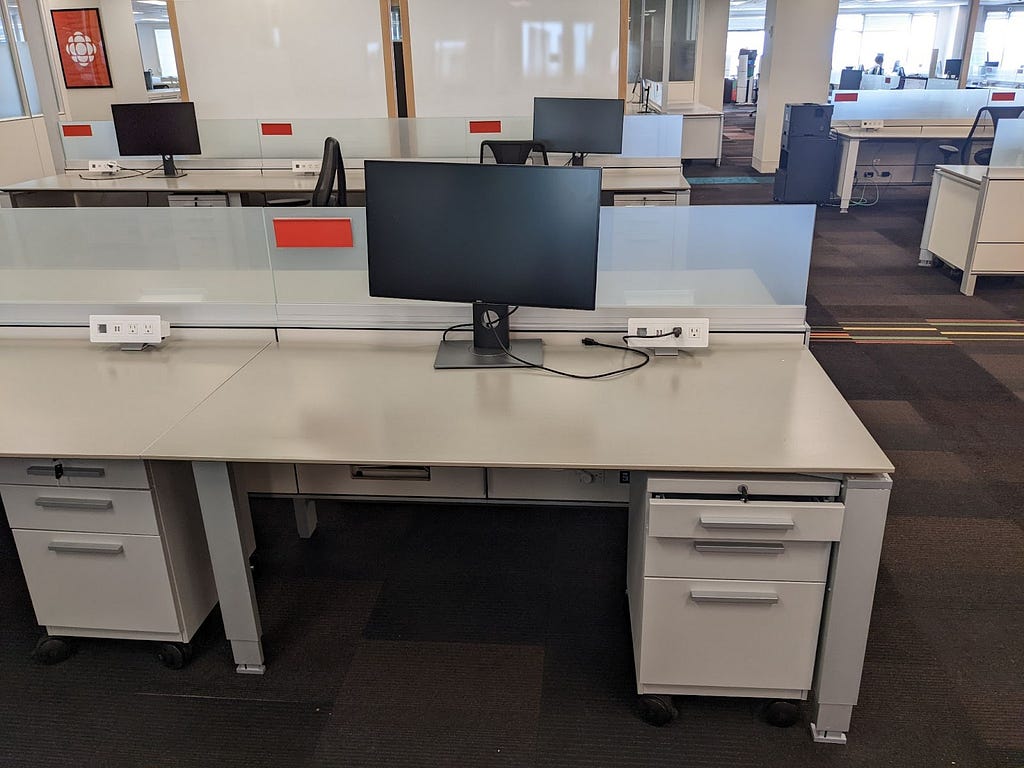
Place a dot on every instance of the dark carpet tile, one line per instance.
(933, 496)
(859, 376)
(896, 425)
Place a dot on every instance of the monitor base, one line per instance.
(462, 354)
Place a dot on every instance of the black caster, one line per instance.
(657, 709)
(781, 713)
(174, 655)
(52, 650)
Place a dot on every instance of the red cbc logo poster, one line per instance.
(80, 42)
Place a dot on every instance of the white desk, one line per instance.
(630, 181)
(702, 132)
(973, 222)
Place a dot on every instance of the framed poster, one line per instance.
(83, 57)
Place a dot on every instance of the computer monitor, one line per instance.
(952, 67)
(579, 126)
(157, 129)
(490, 235)
(850, 79)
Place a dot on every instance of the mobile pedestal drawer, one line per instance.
(107, 558)
(391, 480)
(726, 578)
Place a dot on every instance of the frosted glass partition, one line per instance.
(219, 139)
(89, 141)
(171, 261)
(909, 105)
(368, 137)
(228, 139)
(652, 136)
(1008, 145)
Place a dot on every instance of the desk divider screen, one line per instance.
(912, 105)
(1008, 145)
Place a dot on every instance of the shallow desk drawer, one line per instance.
(733, 634)
(758, 520)
(738, 559)
(80, 509)
(558, 485)
(999, 257)
(388, 480)
(98, 581)
(119, 473)
(651, 198)
(28, 471)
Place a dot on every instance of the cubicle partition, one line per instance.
(308, 267)
(917, 107)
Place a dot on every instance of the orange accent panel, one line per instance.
(276, 129)
(846, 97)
(77, 130)
(313, 233)
(1003, 96)
(485, 126)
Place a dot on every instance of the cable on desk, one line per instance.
(131, 175)
(457, 326)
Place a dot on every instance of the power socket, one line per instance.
(306, 167)
(104, 166)
(872, 125)
(695, 332)
(128, 329)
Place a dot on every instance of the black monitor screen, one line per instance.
(952, 68)
(850, 79)
(501, 234)
(156, 129)
(579, 125)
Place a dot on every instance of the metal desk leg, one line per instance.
(926, 258)
(230, 565)
(847, 613)
(847, 171)
(234, 199)
(5, 200)
(305, 517)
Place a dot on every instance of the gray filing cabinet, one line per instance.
(110, 549)
(726, 578)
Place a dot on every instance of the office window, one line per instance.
(1003, 41)
(17, 35)
(12, 103)
(165, 52)
(906, 38)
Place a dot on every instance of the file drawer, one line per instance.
(387, 480)
(80, 509)
(754, 520)
(557, 485)
(118, 473)
(738, 559)
(28, 471)
(730, 634)
(98, 581)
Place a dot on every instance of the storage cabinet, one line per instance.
(111, 549)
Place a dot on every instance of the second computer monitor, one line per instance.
(157, 129)
(579, 126)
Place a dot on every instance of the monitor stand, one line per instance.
(577, 159)
(169, 170)
(484, 351)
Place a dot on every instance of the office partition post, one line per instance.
(231, 571)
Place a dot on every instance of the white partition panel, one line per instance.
(268, 58)
(1008, 146)
(959, 106)
(491, 58)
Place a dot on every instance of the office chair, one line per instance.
(332, 176)
(504, 152)
(982, 156)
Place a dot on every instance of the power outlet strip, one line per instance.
(104, 166)
(306, 167)
(128, 329)
(872, 125)
(695, 332)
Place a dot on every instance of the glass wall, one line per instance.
(997, 58)
(11, 102)
(903, 39)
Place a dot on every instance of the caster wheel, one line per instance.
(174, 655)
(51, 650)
(781, 713)
(657, 709)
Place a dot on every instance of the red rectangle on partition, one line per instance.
(485, 126)
(77, 130)
(313, 233)
(276, 129)
(846, 97)
(1003, 96)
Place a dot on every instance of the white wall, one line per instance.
(24, 150)
(286, 59)
(714, 29)
(795, 68)
(487, 58)
(123, 58)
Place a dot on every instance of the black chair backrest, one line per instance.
(996, 113)
(512, 152)
(332, 176)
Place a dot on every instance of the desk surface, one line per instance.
(970, 173)
(63, 398)
(347, 399)
(196, 181)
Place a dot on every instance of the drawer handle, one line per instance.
(740, 547)
(86, 547)
(760, 523)
(747, 598)
(84, 472)
(381, 472)
(90, 504)
(49, 471)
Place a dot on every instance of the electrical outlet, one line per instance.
(128, 329)
(305, 167)
(693, 332)
(872, 125)
(104, 166)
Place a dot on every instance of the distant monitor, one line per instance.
(490, 235)
(952, 67)
(849, 79)
(579, 126)
(165, 129)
